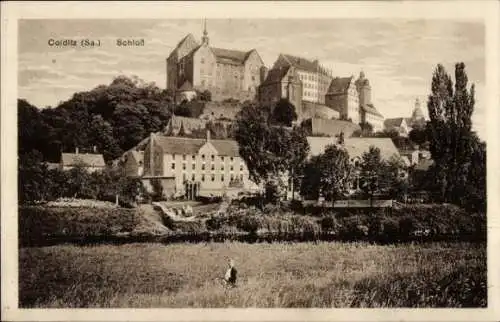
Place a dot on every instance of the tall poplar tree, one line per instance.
(450, 132)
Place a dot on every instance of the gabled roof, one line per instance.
(276, 75)
(178, 145)
(183, 40)
(394, 122)
(230, 56)
(302, 63)
(86, 159)
(369, 108)
(357, 146)
(354, 146)
(339, 85)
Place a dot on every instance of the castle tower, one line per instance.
(364, 90)
(204, 39)
(417, 113)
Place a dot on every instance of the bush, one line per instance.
(272, 193)
(329, 223)
(214, 223)
(249, 224)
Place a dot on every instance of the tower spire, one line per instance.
(204, 39)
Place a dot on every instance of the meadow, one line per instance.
(325, 274)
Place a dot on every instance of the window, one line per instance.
(222, 167)
(183, 166)
(184, 177)
(241, 177)
(173, 166)
(231, 159)
(184, 157)
(222, 177)
(194, 166)
(192, 177)
(213, 157)
(232, 177)
(203, 167)
(232, 168)
(253, 78)
(213, 166)
(241, 167)
(203, 157)
(194, 157)
(202, 60)
(202, 177)
(203, 83)
(213, 177)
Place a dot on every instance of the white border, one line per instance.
(486, 11)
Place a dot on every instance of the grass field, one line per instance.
(269, 275)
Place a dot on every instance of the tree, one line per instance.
(393, 178)
(328, 174)
(113, 117)
(366, 129)
(284, 113)
(371, 170)
(418, 135)
(266, 149)
(33, 178)
(299, 150)
(449, 132)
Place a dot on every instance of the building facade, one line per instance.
(213, 167)
(225, 73)
(281, 82)
(314, 77)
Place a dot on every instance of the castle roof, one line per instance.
(276, 75)
(302, 63)
(182, 41)
(354, 146)
(339, 85)
(370, 109)
(178, 145)
(85, 159)
(230, 56)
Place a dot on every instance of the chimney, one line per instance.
(208, 135)
(76, 150)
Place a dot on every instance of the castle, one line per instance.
(242, 75)
(226, 73)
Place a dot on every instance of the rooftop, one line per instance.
(84, 159)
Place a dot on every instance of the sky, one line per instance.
(398, 56)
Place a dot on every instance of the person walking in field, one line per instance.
(230, 276)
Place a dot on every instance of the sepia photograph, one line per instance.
(251, 162)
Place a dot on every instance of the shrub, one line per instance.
(249, 224)
(214, 223)
(329, 223)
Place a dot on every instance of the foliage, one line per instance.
(157, 194)
(371, 171)
(38, 184)
(328, 174)
(284, 113)
(113, 118)
(270, 152)
(452, 143)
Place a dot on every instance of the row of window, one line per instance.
(231, 168)
(212, 177)
(193, 157)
